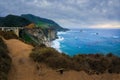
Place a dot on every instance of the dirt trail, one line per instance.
(24, 69)
(21, 64)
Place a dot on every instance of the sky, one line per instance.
(68, 13)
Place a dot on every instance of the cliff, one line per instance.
(37, 30)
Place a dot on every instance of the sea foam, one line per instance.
(115, 37)
(59, 33)
(56, 43)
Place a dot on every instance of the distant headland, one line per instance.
(31, 28)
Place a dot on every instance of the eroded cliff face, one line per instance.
(52, 35)
(39, 36)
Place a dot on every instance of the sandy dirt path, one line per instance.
(24, 69)
(21, 64)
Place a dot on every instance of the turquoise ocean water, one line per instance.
(87, 41)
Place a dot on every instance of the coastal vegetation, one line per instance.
(51, 58)
(90, 63)
(5, 61)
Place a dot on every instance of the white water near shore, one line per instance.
(56, 43)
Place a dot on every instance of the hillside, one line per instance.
(13, 21)
(43, 23)
(31, 21)
(25, 69)
(26, 19)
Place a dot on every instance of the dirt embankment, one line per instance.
(25, 69)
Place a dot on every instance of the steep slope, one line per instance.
(24, 69)
(13, 21)
(42, 22)
(21, 66)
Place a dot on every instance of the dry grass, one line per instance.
(25, 69)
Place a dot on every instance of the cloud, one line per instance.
(68, 13)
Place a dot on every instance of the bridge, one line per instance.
(16, 30)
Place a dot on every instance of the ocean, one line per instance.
(88, 41)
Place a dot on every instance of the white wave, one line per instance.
(76, 37)
(58, 33)
(60, 38)
(56, 43)
(95, 33)
(77, 31)
(115, 36)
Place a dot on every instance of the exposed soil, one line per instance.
(25, 69)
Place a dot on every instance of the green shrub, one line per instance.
(114, 66)
(90, 63)
(51, 57)
(97, 66)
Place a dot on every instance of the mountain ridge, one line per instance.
(13, 20)
(43, 22)
(26, 19)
